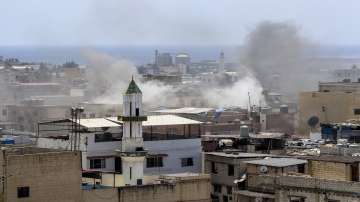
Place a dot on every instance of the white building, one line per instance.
(173, 143)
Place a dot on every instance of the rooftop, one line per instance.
(22, 150)
(162, 120)
(277, 162)
(238, 154)
(334, 158)
(154, 120)
(185, 110)
(97, 123)
(265, 135)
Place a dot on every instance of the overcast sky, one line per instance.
(171, 22)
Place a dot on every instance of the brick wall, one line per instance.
(329, 170)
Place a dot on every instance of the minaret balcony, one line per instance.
(136, 153)
(132, 118)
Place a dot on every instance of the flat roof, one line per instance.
(334, 158)
(97, 123)
(277, 162)
(153, 120)
(163, 120)
(254, 194)
(184, 110)
(239, 154)
(266, 135)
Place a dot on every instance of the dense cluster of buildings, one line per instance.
(58, 147)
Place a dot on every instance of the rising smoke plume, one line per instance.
(236, 94)
(108, 78)
(276, 52)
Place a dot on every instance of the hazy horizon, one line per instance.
(162, 22)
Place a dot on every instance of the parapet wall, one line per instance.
(188, 189)
(266, 183)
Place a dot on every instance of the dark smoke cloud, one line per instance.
(276, 52)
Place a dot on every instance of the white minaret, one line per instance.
(132, 145)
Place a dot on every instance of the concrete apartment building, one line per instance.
(292, 188)
(334, 102)
(34, 174)
(317, 178)
(331, 167)
(225, 168)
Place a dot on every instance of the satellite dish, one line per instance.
(263, 169)
(313, 121)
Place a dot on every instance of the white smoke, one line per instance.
(237, 94)
(109, 77)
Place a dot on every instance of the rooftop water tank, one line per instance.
(284, 109)
(244, 131)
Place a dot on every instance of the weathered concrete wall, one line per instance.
(101, 195)
(313, 189)
(51, 176)
(339, 107)
(196, 189)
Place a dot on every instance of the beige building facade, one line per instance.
(172, 188)
(41, 175)
(329, 107)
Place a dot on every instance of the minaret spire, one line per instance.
(132, 144)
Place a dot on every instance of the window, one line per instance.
(92, 115)
(301, 168)
(230, 170)
(4, 112)
(154, 161)
(296, 199)
(187, 162)
(103, 137)
(217, 188)
(213, 168)
(225, 198)
(356, 111)
(23, 192)
(137, 111)
(229, 190)
(97, 163)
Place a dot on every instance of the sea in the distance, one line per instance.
(145, 54)
(136, 54)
